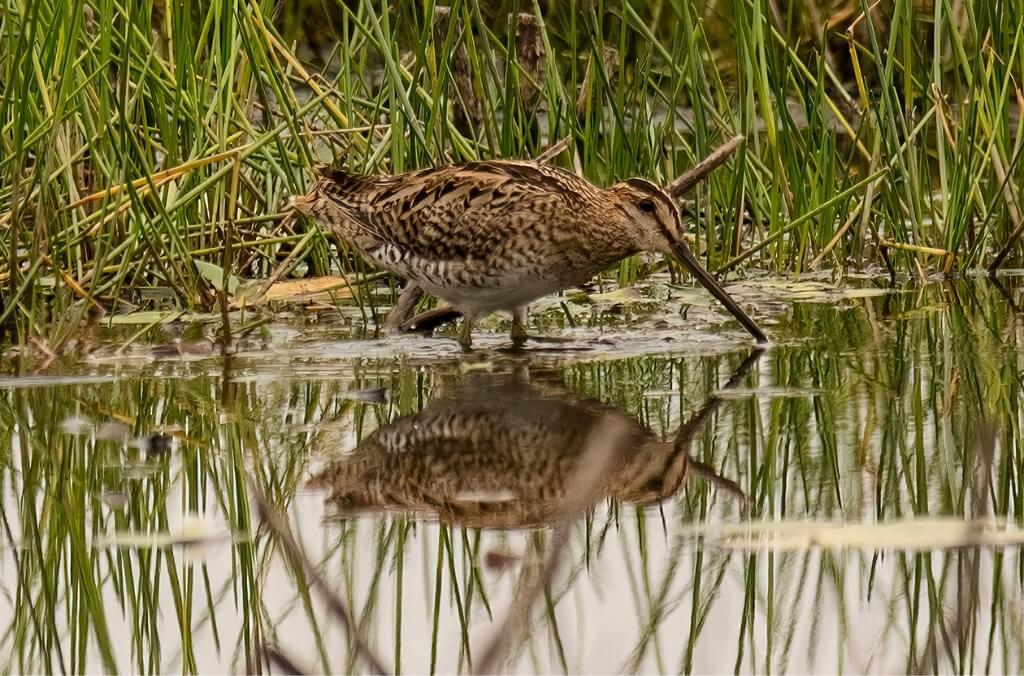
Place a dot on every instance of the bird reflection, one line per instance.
(500, 452)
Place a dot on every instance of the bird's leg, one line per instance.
(466, 334)
(519, 335)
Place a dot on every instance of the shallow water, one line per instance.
(131, 543)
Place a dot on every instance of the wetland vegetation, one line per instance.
(193, 378)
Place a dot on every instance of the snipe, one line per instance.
(495, 236)
(495, 452)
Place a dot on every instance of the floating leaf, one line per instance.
(377, 395)
(194, 530)
(920, 533)
(326, 288)
(768, 392)
(470, 366)
(689, 295)
(116, 500)
(181, 348)
(804, 290)
(113, 430)
(163, 317)
(866, 292)
(214, 274)
(76, 425)
(624, 296)
(145, 317)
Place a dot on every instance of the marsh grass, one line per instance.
(138, 138)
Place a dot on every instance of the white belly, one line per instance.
(474, 287)
(479, 300)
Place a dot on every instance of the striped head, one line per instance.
(657, 227)
(653, 217)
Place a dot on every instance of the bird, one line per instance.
(495, 235)
(497, 452)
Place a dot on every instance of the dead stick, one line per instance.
(74, 285)
(272, 517)
(431, 319)
(585, 486)
(281, 659)
(1012, 207)
(553, 151)
(682, 185)
(284, 266)
(813, 265)
(407, 300)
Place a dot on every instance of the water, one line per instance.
(130, 540)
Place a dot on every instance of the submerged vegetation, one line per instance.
(145, 147)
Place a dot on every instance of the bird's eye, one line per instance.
(646, 205)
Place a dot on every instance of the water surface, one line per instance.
(429, 488)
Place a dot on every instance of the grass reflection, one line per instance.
(877, 409)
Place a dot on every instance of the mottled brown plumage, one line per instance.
(496, 455)
(494, 236)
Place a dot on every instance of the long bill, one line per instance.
(691, 263)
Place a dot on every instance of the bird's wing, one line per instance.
(472, 211)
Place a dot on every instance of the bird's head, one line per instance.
(652, 215)
(657, 226)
